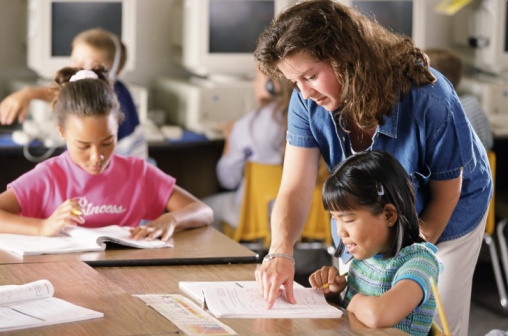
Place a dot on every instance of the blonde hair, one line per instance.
(104, 42)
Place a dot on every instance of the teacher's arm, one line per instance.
(444, 197)
(288, 217)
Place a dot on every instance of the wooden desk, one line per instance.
(164, 280)
(203, 245)
(80, 284)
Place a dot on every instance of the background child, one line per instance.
(88, 184)
(372, 200)
(259, 136)
(90, 48)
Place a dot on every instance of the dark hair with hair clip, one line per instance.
(374, 66)
(371, 180)
(84, 97)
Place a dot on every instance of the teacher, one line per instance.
(360, 87)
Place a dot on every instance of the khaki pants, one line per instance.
(455, 283)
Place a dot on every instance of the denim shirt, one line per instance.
(428, 132)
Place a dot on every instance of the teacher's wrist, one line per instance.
(271, 256)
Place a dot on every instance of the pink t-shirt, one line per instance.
(126, 192)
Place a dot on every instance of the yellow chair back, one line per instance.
(435, 330)
(261, 185)
(491, 220)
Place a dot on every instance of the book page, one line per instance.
(195, 288)
(75, 239)
(47, 311)
(33, 290)
(112, 233)
(248, 303)
(34, 245)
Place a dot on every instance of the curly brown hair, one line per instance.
(84, 97)
(374, 66)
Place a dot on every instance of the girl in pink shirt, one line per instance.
(90, 186)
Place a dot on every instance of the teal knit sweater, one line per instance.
(376, 275)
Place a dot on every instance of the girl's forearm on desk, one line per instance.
(12, 223)
(192, 215)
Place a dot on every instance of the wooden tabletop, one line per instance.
(203, 245)
(78, 283)
(165, 279)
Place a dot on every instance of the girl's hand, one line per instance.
(163, 228)
(69, 213)
(328, 280)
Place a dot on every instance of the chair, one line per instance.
(261, 185)
(317, 226)
(435, 330)
(488, 238)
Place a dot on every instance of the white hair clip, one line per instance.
(83, 74)
(381, 190)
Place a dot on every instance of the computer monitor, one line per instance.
(400, 16)
(220, 36)
(488, 36)
(52, 25)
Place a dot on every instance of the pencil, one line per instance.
(440, 307)
(326, 285)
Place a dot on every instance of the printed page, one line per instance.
(47, 311)
(34, 245)
(186, 315)
(34, 290)
(112, 233)
(195, 288)
(237, 302)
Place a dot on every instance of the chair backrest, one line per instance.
(261, 185)
(491, 220)
(318, 221)
(435, 330)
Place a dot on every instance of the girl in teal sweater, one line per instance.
(371, 198)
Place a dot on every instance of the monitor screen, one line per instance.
(68, 19)
(396, 16)
(220, 36)
(53, 24)
(236, 25)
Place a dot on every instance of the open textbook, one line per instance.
(75, 239)
(33, 305)
(241, 299)
(195, 288)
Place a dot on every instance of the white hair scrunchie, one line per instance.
(83, 74)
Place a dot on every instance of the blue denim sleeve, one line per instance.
(299, 133)
(450, 138)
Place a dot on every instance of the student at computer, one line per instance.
(451, 66)
(90, 48)
(90, 186)
(388, 284)
(259, 136)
